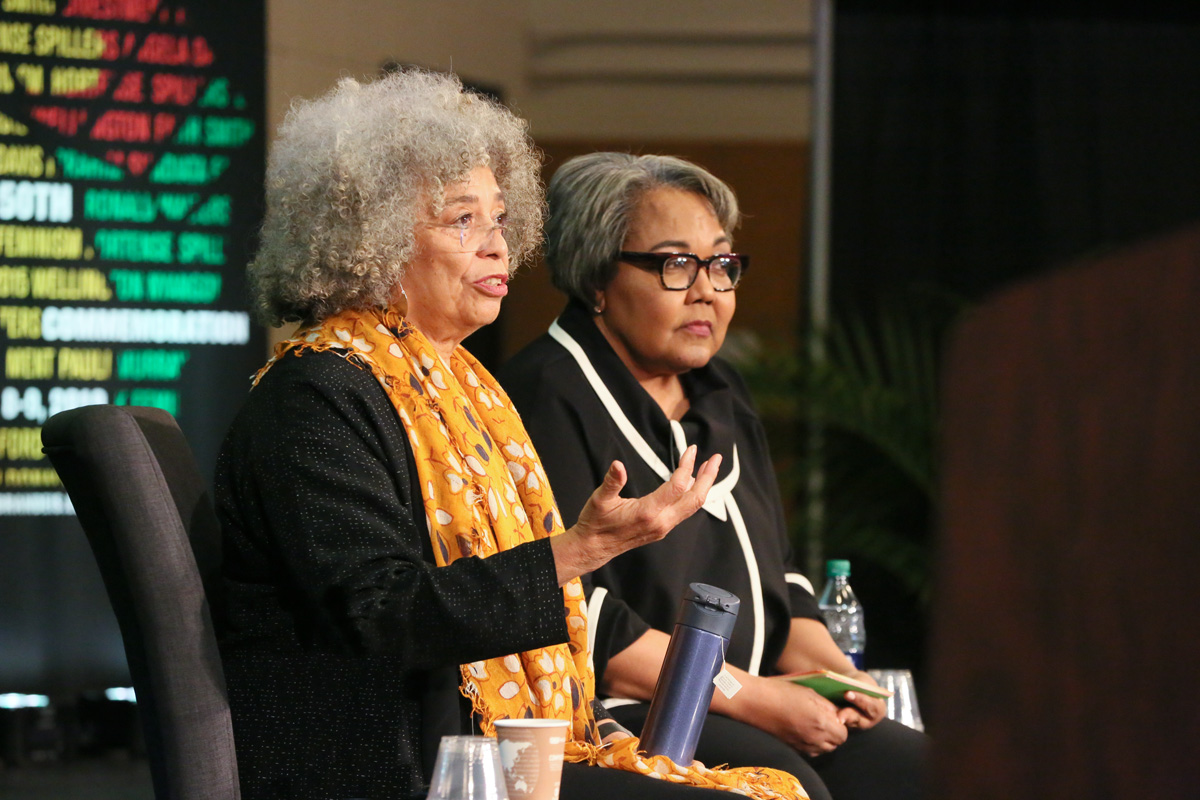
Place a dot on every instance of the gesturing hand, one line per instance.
(610, 524)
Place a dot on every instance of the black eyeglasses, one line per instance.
(677, 271)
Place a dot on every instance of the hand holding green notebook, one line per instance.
(833, 685)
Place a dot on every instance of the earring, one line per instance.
(598, 308)
(400, 301)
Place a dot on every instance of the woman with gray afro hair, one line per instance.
(353, 172)
(395, 567)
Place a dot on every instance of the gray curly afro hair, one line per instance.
(353, 172)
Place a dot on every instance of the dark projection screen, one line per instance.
(131, 166)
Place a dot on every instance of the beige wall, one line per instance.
(729, 70)
(725, 82)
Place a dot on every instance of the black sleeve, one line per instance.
(567, 427)
(322, 472)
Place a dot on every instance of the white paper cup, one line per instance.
(531, 751)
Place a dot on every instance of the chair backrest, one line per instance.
(146, 511)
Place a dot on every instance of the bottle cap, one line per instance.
(837, 567)
(709, 608)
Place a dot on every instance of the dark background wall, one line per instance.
(974, 148)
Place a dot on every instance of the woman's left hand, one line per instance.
(610, 524)
(864, 711)
(809, 647)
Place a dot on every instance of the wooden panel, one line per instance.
(771, 181)
(1064, 654)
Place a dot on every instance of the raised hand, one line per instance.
(610, 524)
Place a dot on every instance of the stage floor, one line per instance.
(81, 779)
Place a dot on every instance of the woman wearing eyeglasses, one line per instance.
(394, 565)
(642, 246)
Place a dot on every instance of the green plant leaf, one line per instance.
(872, 391)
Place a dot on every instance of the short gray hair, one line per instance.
(592, 201)
(350, 174)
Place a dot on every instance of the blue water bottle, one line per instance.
(694, 658)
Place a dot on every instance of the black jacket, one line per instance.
(342, 637)
(577, 438)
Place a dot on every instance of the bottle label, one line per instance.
(727, 684)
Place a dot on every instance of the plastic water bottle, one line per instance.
(694, 658)
(843, 615)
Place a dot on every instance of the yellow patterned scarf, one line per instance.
(484, 490)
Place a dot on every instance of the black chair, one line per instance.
(147, 514)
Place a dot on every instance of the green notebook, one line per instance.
(832, 685)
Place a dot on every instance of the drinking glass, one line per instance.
(902, 705)
(468, 768)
